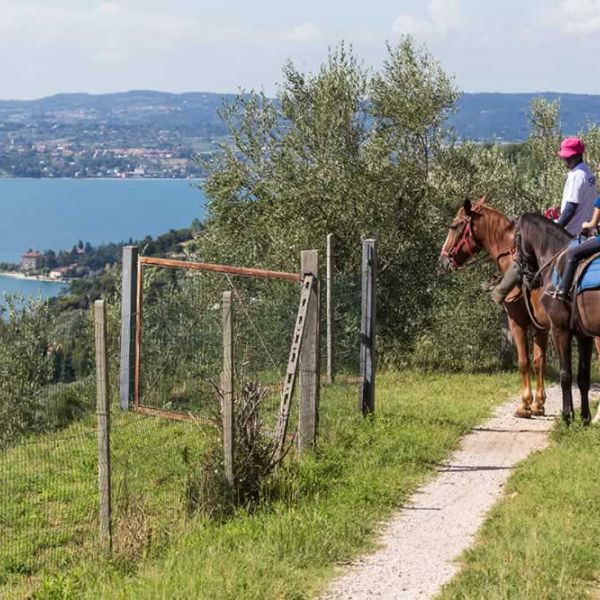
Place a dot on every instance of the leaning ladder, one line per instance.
(292, 368)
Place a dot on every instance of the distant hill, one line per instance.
(480, 116)
(503, 117)
(158, 134)
(137, 107)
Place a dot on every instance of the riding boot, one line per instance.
(566, 280)
(511, 278)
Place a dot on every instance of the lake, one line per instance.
(29, 288)
(55, 214)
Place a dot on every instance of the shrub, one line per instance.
(207, 490)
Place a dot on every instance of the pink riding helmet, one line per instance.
(570, 147)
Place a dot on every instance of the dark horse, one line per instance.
(538, 242)
(478, 226)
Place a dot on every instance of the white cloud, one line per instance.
(304, 33)
(111, 30)
(444, 17)
(104, 23)
(578, 16)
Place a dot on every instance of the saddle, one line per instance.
(587, 277)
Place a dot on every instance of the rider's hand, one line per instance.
(586, 225)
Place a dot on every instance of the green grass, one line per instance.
(542, 540)
(49, 494)
(324, 511)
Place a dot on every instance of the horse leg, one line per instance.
(583, 376)
(540, 344)
(562, 342)
(519, 335)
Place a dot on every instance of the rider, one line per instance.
(580, 190)
(577, 253)
(579, 195)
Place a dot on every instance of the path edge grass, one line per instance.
(329, 511)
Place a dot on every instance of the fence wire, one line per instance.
(49, 494)
(182, 337)
(346, 305)
(47, 439)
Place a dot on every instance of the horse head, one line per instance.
(461, 242)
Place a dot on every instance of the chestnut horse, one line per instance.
(538, 243)
(478, 226)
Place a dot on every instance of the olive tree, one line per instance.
(339, 151)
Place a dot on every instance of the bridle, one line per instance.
(469, 244)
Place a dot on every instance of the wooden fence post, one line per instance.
(329, 309)
(309, 358)
(227, 387)
(366, 400)
(103, 416)
(128, 324)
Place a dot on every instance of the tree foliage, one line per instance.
(337, 152)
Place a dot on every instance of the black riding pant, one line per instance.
(574, 256)
(587, 248)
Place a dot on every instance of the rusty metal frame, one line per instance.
(216, 268)
(192, 266)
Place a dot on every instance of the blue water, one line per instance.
(55, 214)
(29, 288)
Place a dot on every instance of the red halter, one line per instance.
(467, 243)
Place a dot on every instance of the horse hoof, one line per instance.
(537, 411)
(522, 413)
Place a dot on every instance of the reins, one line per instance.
(527, 299)
(496, 257)
(549, 262)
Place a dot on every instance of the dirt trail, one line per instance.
(420, 545)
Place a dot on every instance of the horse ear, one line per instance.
(483, 198)
(467, 206)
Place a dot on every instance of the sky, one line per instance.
(54, 46)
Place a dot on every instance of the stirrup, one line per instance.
(561, 295)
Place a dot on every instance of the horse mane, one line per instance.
(550, 236)
(539, 238)
(495, 212)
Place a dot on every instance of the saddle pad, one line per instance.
(590, 278)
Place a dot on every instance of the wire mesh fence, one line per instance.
(346, 301)
(181, 356)
(47, 429)
(49, 492)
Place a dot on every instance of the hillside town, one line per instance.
(129, 135)
(68, 158)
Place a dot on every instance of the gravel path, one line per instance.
(420, 545)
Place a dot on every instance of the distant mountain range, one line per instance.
(503, 117)
(159, 109)
(480, 116)
(158, 134)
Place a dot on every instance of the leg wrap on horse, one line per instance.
(511, 278)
